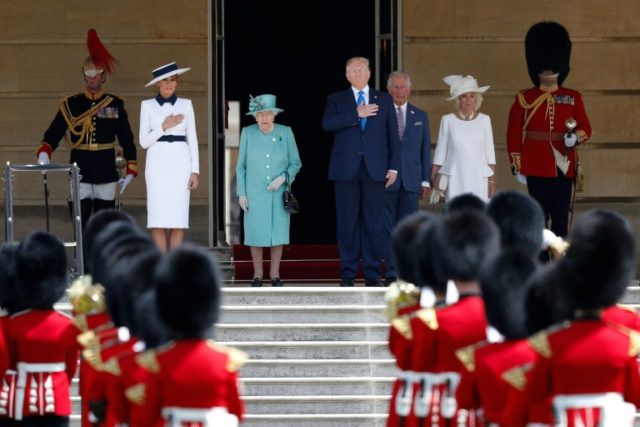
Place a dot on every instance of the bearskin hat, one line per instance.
(547, 47)
(41, 269)
(126, 279)
(151, 329)
(188, 291)
(425, 274)
(10, 297)
(600, 262)
(503, 279)
(110, 242)
(546, 304)
(97, 222)
(520, 220)
(404, 256)
(464, 201)
(461, 242)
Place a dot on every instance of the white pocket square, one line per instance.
(417, 124)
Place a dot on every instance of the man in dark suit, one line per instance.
(364, 160)
(412, 183)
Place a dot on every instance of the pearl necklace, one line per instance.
(467, 118)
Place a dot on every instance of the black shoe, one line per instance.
(375, 283)
(256, 282)
(346, 283)
(277, 283)
(389, 280)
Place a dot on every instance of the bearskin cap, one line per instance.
(41, 269)
(520, 220)
(97, 222)
(404, 256)
(503, 279)
(600, 262)
(151, 330)
(547, 47)
(464, 201)
(421, 246)
(188, 291)
(460, 244)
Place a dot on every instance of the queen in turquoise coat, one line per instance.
(268, 152)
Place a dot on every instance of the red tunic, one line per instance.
(585, 357)
(190, 375)
(625, 316)
(533, 147)
(436, 342)
(45, 353)
(400, 345)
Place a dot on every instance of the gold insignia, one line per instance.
(148, 361)
(428, 316)
(467, 355)
(80, 321)
(136, 394)
(112, 366)
(236, 357)
(93, 358)
(88, 339)
(403, 326)
(540, 343)
(516, 377)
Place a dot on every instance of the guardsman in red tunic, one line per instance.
(458, 245)
(546, 124)
(588, 367)
(42, 340)
(403, 300)
(192, 380)
(94, 120)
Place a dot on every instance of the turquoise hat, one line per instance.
(262, 103)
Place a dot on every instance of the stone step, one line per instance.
(290, 313)
(307, 386)
(319, 368)
(313, 349)
(301, 332)
(352, 404)
(301, 295)
(315, 420)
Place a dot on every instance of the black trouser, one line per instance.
(45, 421)
(554, 196)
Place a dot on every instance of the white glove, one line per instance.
(522, 179)
(123, 182)
(43, 158)
(244, 203)
(570, 139)
(276, 183)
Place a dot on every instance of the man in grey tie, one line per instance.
(413, 179)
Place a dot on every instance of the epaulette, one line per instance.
(540, 343)
(428, 316)
(136, 394)
(112, 366)
(148, 361)
(403, 326)
(634, 337)
(467, 355)
(516, 377)
(115, 96)
(236, 357)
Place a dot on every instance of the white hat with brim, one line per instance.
(165, 71)
(460, 85)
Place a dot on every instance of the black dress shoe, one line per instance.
(375, 283)
(277, 283)
(346, 282)
(256, 282)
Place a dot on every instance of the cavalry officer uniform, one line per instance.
(94, 120)
(537, 133)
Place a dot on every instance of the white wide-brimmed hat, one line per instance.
(165, 71)
(463, 84)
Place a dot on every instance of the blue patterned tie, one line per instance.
(363, 120)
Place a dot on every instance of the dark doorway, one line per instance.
(297, 51)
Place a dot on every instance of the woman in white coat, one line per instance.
(465, 153)
(168, 133)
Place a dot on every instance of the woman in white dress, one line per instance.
(168, 133)
(465, 153)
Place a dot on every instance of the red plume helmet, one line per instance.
(99, 55)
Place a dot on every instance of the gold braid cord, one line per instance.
(530, 109)
(83, 121)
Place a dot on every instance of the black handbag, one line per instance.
(290, 201)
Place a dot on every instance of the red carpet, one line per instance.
(300, 263)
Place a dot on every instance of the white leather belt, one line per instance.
(209, 417)
(25, 368)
